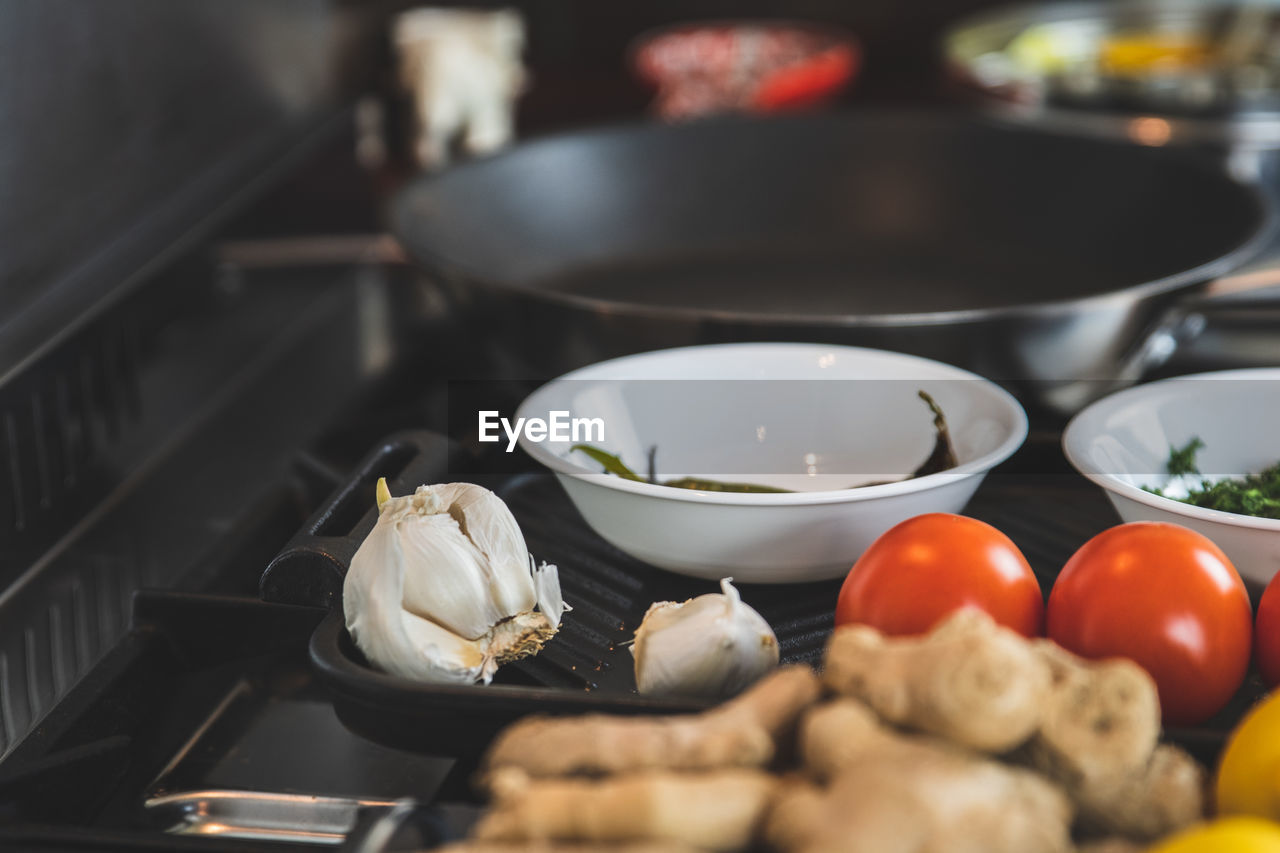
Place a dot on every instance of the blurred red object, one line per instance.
(751, 66)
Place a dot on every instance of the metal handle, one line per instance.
(407, 825)
(376, 837)
(1234, 322)
(1256, 283)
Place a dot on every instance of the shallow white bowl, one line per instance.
(816, 419)
(1122, 443)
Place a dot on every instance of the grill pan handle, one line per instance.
(310, 569)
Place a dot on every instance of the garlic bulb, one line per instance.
(707, 647)
(444, 590)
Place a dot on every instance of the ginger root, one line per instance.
(798, 806)
(1165, 795)
(950, 802)
(774, 703)
(1110, 845)
(557, 847)
(720, 810)
(895, 793)
(968, 680)
(1098, 738)
(1101, 719)
(1009, 741)
(744, 732)
(843, 733)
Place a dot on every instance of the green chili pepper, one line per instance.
(942, 458)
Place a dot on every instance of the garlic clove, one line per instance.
(439, 655)
(546, 585)
(454, 588)
(489, 525)
(434, 593)
(398, 641)
(707, 647)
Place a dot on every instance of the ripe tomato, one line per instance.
(1266, 643)
(1166, 598)
(928, 566)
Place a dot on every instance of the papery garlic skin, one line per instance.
(444, 590)
(708, 647)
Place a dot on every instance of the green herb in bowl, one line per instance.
(1254, 494)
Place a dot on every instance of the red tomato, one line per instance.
(1168, 599)
(927, 566)
(1266, 640)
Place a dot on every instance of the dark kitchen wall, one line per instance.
(122, 123)
(129, 131)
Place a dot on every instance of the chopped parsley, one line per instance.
(1182, 460)
(1254, 494)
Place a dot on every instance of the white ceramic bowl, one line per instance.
(1122, 443)
(817, 419)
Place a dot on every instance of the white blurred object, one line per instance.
(463, 68)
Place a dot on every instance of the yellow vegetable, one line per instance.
(1249, 774)
(1139, 54)
(1225, 835)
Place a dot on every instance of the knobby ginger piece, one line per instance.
(775, 703)
(968, 680)
(720, 810)
(554, 847)
(1101, 720)
(836, 734)
(940, 801)
(896, 793)
(1110, 845)
(600, 745)
(844, 733)
(740, 733)
(1098, 738)
(793, 817)
(1165, 795)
